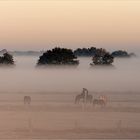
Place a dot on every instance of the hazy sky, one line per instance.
(44, 24)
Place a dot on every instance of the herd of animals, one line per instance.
(84, 98)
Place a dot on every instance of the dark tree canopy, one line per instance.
(102, 57)
(85, 51)
(6, 59)
(121, 53)
(58, 56)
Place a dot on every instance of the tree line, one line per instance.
(64, 56)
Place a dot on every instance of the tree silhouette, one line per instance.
(58, 56)
(120, 53)
(6, 59)
(85, 51)
(102, 57)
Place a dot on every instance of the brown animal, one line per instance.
(100, 102)
(84, 97)
(27, 100)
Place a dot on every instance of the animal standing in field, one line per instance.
(27, 100)
(99, 102)
(84, 97)
(103, 97)
(102, 101)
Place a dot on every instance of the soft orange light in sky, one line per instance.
(82, 23)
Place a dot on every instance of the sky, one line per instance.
(43, 24)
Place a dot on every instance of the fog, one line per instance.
(52, 112)
(25, 77)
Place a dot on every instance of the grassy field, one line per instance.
(55, 116)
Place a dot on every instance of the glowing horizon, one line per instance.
(44, 24)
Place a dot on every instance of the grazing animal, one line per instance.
(103, 97)
(84, 97)
(89, 98)
(100, 102)
(27, 100)
(80, 97)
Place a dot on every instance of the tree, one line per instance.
(121, 53)
(102, 57)
(6, 59)
(85, 51)
(58, 56)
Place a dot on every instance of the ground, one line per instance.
(56, 116)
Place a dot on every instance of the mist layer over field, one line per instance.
(52, 112)
(123, 76)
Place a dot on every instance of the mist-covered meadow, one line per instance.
(52, 112)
